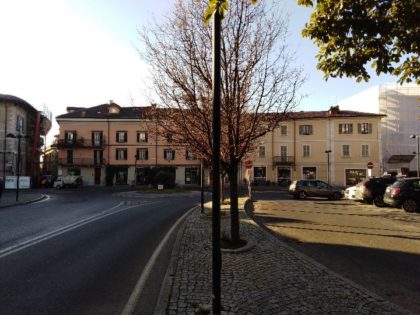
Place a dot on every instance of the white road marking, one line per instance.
(38, 239)
(135, 295)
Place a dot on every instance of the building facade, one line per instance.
(401, 105)
(335, 146)
(113, 145)
(22, 129)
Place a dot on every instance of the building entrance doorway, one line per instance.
(97, 175)
(283, 176)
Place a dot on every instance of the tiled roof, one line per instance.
(329, 114)
(103, 111)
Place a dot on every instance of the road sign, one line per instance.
(248, 164)
(370, 165)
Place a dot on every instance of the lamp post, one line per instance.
(19, 137)
(328, 165)
(418, 152)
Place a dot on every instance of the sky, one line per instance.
(60, 53)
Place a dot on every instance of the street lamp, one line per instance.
(328, 165)
(418, 152)
(18, 168)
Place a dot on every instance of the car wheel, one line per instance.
(409, 205)
(378, 201)
(303, 195)
(336, 196)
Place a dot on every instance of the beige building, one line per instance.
(333, 145)
(110, 144)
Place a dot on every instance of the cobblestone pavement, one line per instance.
(271, 278)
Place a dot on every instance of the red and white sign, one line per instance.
(248, 164)
(370, 165)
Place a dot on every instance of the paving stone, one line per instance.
(271, 278)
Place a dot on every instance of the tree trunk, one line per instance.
(234, 211)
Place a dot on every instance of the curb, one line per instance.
(24, 202)
(167, 283)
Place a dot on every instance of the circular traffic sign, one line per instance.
(370, 165)
(248, 164)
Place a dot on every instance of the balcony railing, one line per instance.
(78, 143)
(283, 160)
(81, 162)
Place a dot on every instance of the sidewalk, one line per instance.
(270, 278)
(8, 198)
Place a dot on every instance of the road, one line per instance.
(377, 248)
(82, 252)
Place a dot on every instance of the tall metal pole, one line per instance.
(217, 257)
(18, 169)
(4, 146)
(418, 155)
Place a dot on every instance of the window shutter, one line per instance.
(359, 128)
(116, 154)
(146, 155)
(116, 137)
(125, 137)
(301, 129)
(350, 128)
(173, 155)
(370, 128)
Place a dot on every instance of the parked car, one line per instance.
(404, 193)
(350, 193)
(314, 188)
(68, 181)
(373, 189)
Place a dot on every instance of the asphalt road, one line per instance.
(82, 252)
(377, 248)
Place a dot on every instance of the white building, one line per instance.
(401, 105)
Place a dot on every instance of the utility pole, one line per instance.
(217, 257)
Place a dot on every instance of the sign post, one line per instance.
(369, 167)
(248, 166)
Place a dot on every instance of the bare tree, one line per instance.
(259, 81)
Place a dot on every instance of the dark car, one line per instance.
(404, 193)
(314, 188)
(373, 189)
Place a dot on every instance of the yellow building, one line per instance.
(335, 146)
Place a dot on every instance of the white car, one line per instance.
(350, 193)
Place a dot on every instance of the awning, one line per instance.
(401, 158)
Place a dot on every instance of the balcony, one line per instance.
(81, 162)
(283, 160)
(78, 143)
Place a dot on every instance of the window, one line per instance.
(306, 150)
(365, 150)
(261, 151)
(96, 138)
(345, 150)
(142, 137)
(309, 172)
(69, 156)
(142, 154)
(19, 124)
(364, 128)
(70, 136)
(345, 128)
(192, 175)
(283, 153)
(305, 129)
(121, 154)
(169, 154)
(259, 172)
(121, 136)
(190, 156)
(97, 157)
(283, 130)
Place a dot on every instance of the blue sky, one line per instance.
(63, 53)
